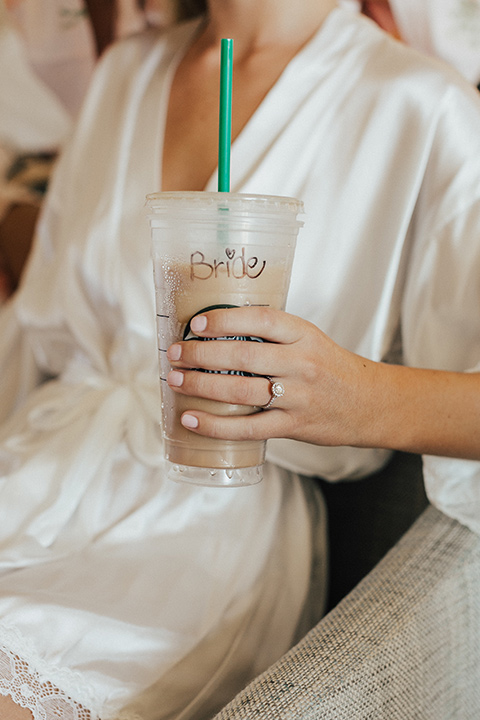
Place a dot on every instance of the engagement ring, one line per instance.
(277, 390)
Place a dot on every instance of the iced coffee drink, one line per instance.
(215, 250)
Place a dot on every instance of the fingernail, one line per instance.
(175, 378)
(189, 421)
(198, 323)
(174, 352)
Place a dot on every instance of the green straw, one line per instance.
(225, 116)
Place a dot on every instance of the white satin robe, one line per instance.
(126, 585)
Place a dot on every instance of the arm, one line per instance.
(332, 396)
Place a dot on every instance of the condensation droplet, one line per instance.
(229, 474)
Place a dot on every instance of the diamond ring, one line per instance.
(277, 390)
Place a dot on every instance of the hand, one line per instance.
(326, 387)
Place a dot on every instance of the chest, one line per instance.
(190, 148)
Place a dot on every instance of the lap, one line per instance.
(128, 618)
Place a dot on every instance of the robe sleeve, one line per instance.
(441, 309)
(32, 322)
(20, 368)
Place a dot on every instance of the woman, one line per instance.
(124, 595)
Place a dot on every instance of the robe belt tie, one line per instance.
(71, 434)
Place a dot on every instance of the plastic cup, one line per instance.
(215, 250)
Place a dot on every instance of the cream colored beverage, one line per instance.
(215, 250)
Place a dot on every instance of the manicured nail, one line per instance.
(174, 352)
(189, 421)
(175, 378)
(198, 323)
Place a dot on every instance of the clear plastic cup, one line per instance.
(215, 250)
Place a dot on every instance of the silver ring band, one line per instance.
(276, 390)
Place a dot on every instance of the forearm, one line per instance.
(425, 411)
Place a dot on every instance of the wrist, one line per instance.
(383, 405)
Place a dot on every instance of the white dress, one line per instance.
(123, 589)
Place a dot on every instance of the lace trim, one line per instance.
(72, 684)
(35, 685)
(43, 699)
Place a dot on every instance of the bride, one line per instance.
(124, 595)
